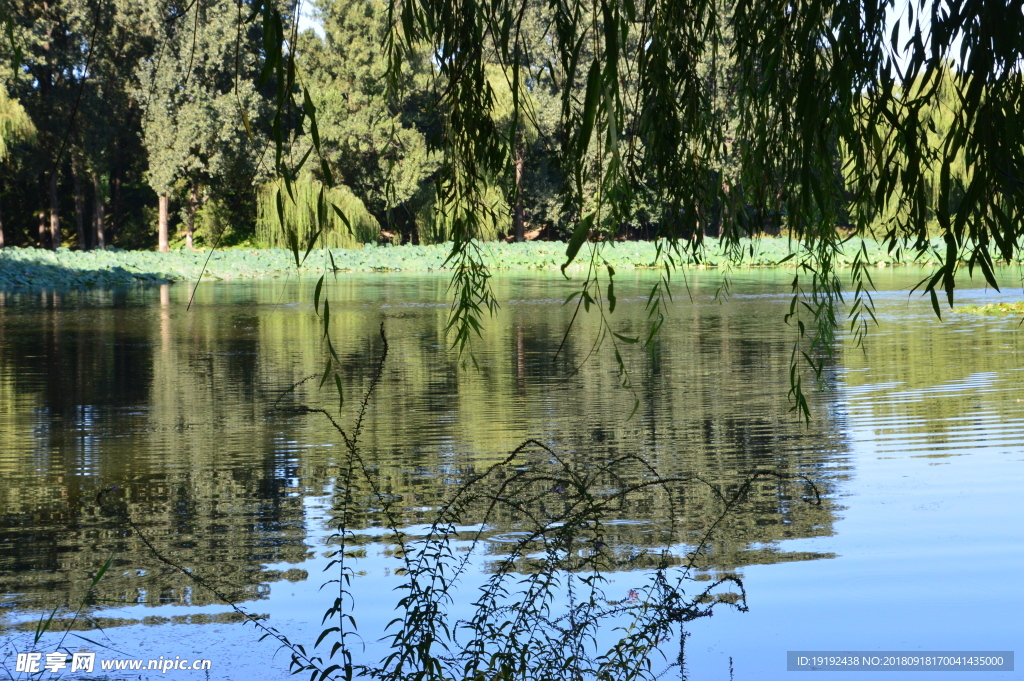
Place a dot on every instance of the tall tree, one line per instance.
(75, 61)
(199, 96)
(376, 143)
(109, 118)
(55, 67)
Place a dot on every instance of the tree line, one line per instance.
(126, 122)
(134, 110)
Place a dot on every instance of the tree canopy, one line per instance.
(193, 90)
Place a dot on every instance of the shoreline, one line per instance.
(34, 268)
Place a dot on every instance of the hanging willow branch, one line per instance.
(722, 114)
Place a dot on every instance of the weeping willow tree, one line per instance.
(493, 206)
(937, 116)
(437, 227)
(15, 127)
(285, 219)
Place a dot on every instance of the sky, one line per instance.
(309, 20)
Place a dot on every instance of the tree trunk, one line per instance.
(115, 200)
(518, 220)
(99, 232)
(76, 181)
(42, 229)
(193, 204)
(1, 230)
(54, 213)
(162, 224)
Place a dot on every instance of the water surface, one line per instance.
(914, 444)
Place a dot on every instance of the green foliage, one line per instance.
(436, 227)
(246, 316)
(999, 309)
(74, 75)
(639, 126)
(199, 99)
(213, 220)
(544, 612)
(31, 267)
(376, 145)
(15, 125)
(282, 214)
(936, 112)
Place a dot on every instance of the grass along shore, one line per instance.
(22, 268)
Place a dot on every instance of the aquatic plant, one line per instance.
(545, 610)
(46, 622)
(999, 309)
(42, 268)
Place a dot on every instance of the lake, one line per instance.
(915, 445)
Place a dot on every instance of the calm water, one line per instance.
(915, 443)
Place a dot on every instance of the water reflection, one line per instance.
(182, 411)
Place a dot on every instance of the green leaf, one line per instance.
(247, 125)
(293, 245)
(787, 258)
(302, 161)
(590, 106)
(327, 373)
(935, 302)
(344, 218)
(257, 7)
(326, 170)
(579, 235)
(321, 221)
(102, 571)
(316, 293)
(307, 103)
(43, 625)
(324, 633)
